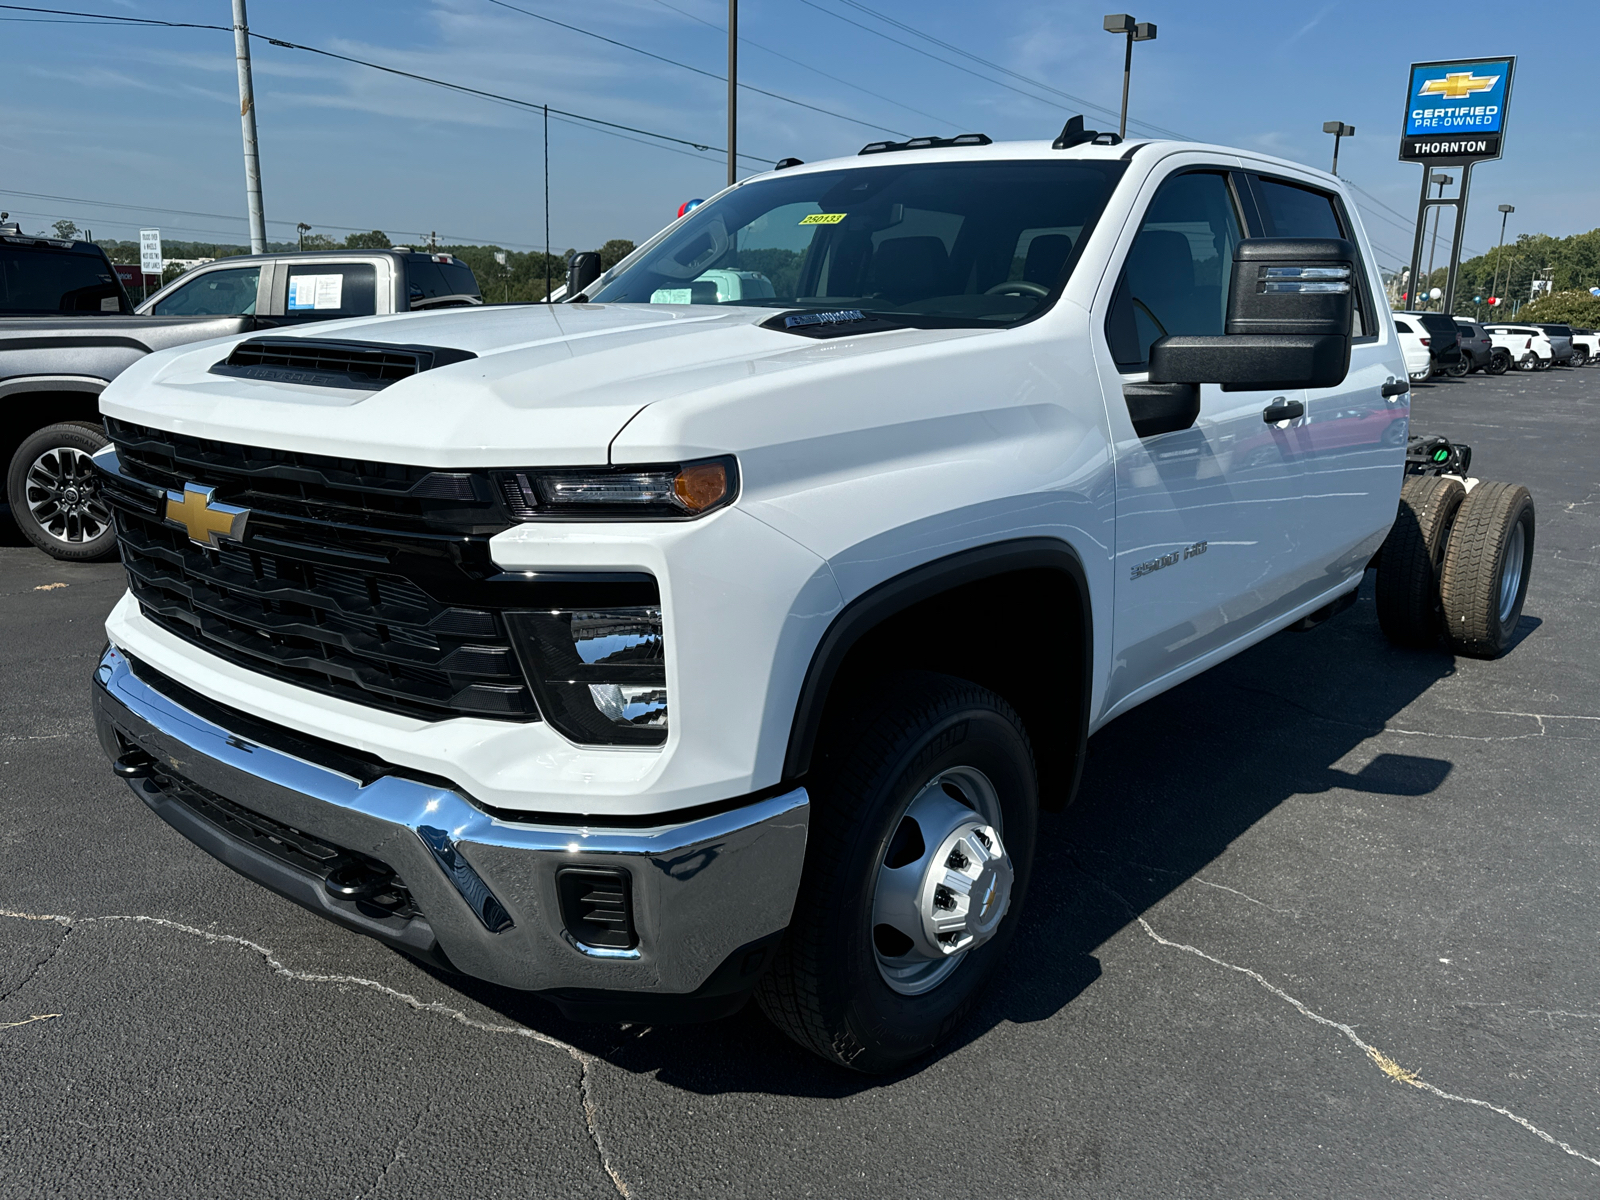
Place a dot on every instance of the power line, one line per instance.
(915, 32)
(603, 125)
(461, 239)
(808, 67)
(967, 70)
(685, 66)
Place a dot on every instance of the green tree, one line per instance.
(1572, 307)
(376, 240)
(67, 230)
(614, 252)
(321, 241)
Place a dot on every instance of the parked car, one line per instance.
(1561, 345)
(1585, 342)
(1477, 346)
(652, 653)
(53, 367)
(1444, 341)
(1419, 358)
(1528, 345)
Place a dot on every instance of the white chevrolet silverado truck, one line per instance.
(723, 630)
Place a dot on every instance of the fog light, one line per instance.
(600, 674)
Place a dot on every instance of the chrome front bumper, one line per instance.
(703, 890)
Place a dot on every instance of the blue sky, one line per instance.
(148, 117)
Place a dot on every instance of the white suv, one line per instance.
(1529, 347)
(650, 654)
(1414, 343)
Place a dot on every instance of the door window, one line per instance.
(228, 293)
(321, 290)
(1299, 212)
(1176, 278)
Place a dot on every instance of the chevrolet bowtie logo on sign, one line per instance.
(1458, 85)
(1456, 111)
(205, 520)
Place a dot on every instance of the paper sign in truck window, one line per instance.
(310, 292)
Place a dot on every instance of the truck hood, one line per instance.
(551, 384)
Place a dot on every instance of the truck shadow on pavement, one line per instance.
(1166, 789)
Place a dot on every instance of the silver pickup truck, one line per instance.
(67, 328)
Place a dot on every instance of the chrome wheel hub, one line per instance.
(1511, 572)
(64, 498)
(944, 884)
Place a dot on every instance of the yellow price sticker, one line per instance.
(823, 219)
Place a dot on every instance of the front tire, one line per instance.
(55, 496)
(1580, 358)
(923, 819)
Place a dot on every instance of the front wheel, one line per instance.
(923, 817)
(1580, 358)
(55, 495)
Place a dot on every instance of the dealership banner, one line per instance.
(1456, 111)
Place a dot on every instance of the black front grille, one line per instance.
(329, 363)
(404, 619)
(319, 487)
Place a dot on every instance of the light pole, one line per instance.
(1339, 130)
(302, 229)
(1441, 179)
(1505, 211)
(1137, 31)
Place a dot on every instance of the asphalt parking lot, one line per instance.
(1324, 922)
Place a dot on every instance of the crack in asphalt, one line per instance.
(584, 1061)
(397, 1154)
(37, 967)
(1378, 1058)
(1376, 730)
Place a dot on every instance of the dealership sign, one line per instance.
(1456, 111)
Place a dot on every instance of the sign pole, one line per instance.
(1416, 243)
(1455, 245)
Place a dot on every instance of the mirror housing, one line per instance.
(1290, 309)
(582, 271)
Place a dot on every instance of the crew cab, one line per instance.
(67, 329)
(1562, 346)
(1585, 346)
(711, 635)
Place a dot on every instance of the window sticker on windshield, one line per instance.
(309, 292)
(109, 304)
(823, 219)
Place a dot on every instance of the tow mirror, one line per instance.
(583, 270)
(1288, 326)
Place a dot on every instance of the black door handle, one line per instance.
(1282, 410)
(1395, 387)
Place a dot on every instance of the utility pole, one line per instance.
(733, 91)
(1505, 211)
(547, 204)
(247, 119)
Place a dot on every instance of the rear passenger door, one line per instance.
(323, 290)
(1207, 530)
(1354, 437)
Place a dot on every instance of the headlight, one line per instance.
(673, 490)
(600, 674)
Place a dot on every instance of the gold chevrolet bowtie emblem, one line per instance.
(1458, 85)
(206, 521)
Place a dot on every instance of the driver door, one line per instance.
(1206, 530)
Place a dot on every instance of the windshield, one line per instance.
(977, 243)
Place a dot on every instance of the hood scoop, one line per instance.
(364, 366)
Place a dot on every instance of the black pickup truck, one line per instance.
(67, 328)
